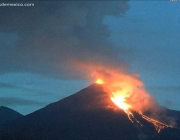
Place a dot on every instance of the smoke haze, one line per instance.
(50, 36)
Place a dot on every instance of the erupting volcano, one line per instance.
(116, 106)
(89, 114)
(129, 94)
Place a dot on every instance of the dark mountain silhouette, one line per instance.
(89, 114)
(7, 114)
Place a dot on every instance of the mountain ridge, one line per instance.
(87, 114)
(7, 114)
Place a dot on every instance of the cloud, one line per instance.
(51, 35)
(4, 85)
(15, 101)
(28, 90)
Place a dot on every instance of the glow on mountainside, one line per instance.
(128, 93)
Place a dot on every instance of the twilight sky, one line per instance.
(40, 46)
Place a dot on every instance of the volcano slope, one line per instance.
(88, 114)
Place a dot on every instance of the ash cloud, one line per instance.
(53, 34)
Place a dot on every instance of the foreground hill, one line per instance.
(88, 114)
(7, 114)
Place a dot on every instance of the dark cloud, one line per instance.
(32, 92)
(4, 85)
(15, 101)
(53, 34)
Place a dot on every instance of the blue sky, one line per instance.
(146, 36)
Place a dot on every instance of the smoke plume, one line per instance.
(52, 35)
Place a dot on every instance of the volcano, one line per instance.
(88, 114)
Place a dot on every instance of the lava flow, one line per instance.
(158, 125)
(128, 93)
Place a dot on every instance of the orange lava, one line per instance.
(128, 93)
(126, 90)
(120, 101)
(158, 125)
(99, 81)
